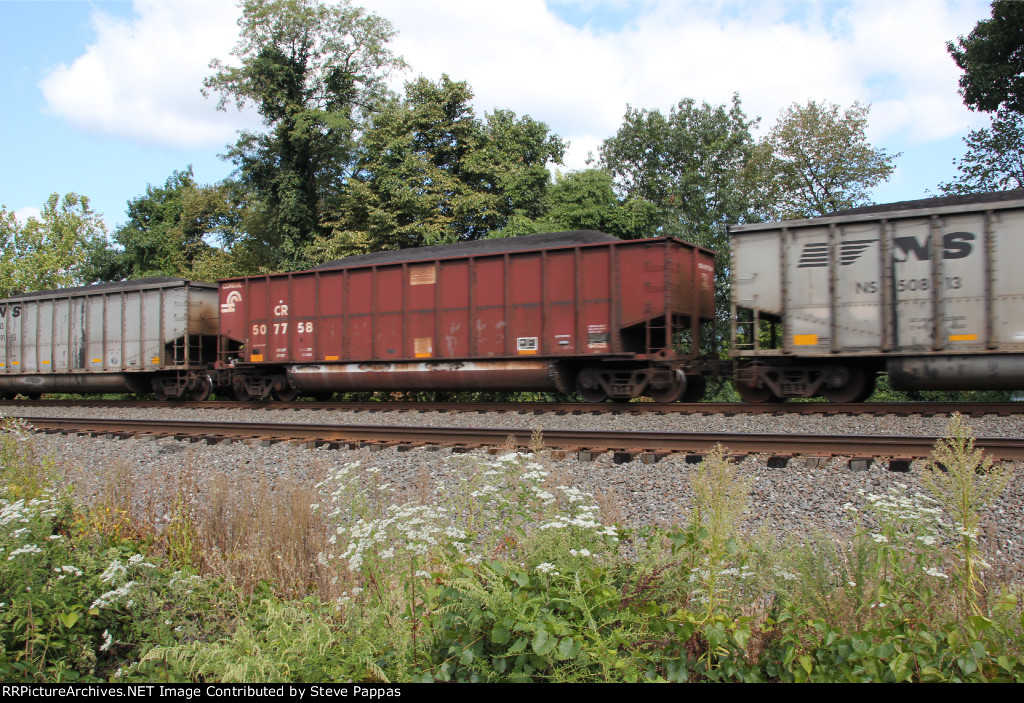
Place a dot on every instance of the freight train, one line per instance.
(923, 290)
(928, 291)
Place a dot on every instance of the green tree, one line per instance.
(314, 71)
(992, 59)
(587, 200)
(816, 160)
(994, 158)
(431, 172)
(688, 164)
(178, 229)
(51, 251)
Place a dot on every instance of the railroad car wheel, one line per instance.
(750, 393)
(672, 392)
(160, 393)
(589, 388)
(203, 389)
(857, 388)
(285, 395)
(695, 387)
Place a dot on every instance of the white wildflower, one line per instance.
(27, 549)
(115, 571)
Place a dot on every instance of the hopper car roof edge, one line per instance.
(874, 213)
(454, 255)
(114, 287)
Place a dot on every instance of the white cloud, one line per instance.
(579, 80)
(24, 213)
(141, 78)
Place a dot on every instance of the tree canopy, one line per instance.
(815, 160)
(994, 158)
(179, 229)
(992, 59)
(52, 250)
(344, 166)
(314, 71)
(688, 164)
(430, 171)
(587, 200)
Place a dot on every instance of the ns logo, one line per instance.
(955, 245)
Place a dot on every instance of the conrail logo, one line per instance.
(955, 245)
(234, 297)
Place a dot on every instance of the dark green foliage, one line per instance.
(499, 623)
(587, 200)
(174, 229)
(688, 164)
(992, 58)
(431, 172)
(314, 72)
(812, 650)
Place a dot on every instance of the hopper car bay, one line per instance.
(924, 290)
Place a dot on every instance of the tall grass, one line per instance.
(497, 572)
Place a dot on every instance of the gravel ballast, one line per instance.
(790, 502)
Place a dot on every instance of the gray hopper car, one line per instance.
(930, 291)
(154, 335)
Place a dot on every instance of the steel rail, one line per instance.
(866, 445)
(903, 408)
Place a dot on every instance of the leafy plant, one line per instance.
(964, 482)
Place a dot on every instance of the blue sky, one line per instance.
(102, 98)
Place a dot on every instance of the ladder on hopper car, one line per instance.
(746, 333)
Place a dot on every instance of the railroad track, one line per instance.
(648, 446)
(798, 408)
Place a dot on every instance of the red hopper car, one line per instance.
(568, 311)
